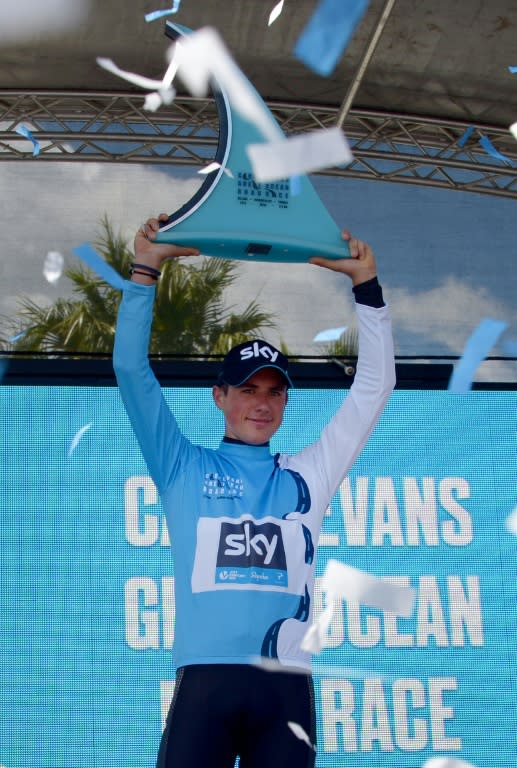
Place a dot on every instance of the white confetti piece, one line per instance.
(478, 345)
(152, 101)
(299, 154)
(327, 670)
(77, 437)
(447, 762)
(23, 19)
(203, 55)
(275, 13)
(330, 334)
(53, 266)
(343, 582)
(300, 733)
(22, 130)
(153, 15)
(511, 522)
(162, 90)
(350, 583)
(139, 80)
(214, 167)
(513, 130)
(316, 636)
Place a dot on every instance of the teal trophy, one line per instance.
(232, 216)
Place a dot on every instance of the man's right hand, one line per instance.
(154, 254)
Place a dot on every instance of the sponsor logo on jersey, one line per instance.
(251, 552)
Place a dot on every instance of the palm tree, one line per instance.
(190, 316)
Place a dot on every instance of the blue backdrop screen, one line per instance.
(87, 581)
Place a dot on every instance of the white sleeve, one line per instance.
(325, 463)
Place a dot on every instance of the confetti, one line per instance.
(300, 733)
(466, 136)
(167, 12)
(446, 762)
(299, 154)
(90, 257)
(489, 147)
(53, 266)
(203, 55)
(295, 186)
(350, 583)
(162, 90)
(76, 438)
(275, 13)
(327, 34)
(343, 582)
(476, 349)
(22, 130)
(513, 70)
(327, 670)
(513, 130)
(511, 522)
(215, 167)
(330, 334)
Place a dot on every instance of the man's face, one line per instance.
(254, 410)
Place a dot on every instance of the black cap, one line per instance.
(247, 358)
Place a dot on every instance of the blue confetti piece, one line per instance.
(328, 32)
(466, 136)
(167, 12)
(90, 257)
(489, 147)
(22, 130)
(16, 338)
(295, 186)
(513, 70)
(478, 345)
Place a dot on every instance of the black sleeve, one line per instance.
(369, 293)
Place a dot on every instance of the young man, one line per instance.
(244, 524)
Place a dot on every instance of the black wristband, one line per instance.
(151, 271)
(369, 293)
(145, 274)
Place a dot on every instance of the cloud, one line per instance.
(441, 319)
(54, 207)
(445, 315)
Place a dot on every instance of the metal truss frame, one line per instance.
(114, 127)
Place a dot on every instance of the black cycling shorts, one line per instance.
(221, 711)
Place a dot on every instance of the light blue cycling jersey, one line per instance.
(244, 524)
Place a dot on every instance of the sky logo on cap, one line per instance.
(256, 350)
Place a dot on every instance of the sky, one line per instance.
(445, 258)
